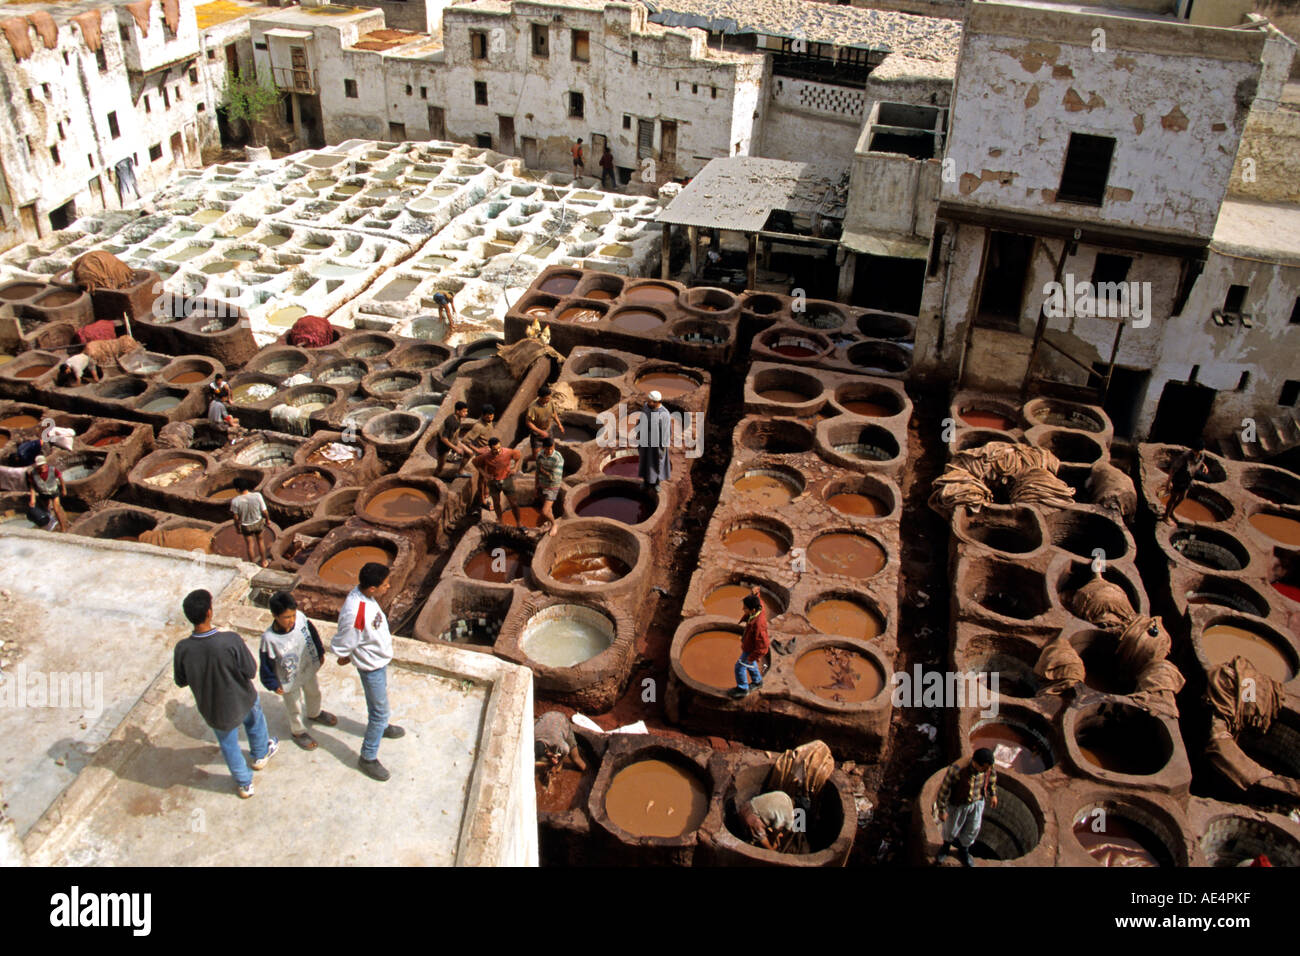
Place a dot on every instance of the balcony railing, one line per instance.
(294, 80)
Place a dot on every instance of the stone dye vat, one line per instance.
(826, 560)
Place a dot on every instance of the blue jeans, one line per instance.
(255, 729)
(375, 684)
(745, 668)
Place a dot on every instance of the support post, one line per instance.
(751, 269)
(665, 250)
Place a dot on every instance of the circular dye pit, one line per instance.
(307, 486)
(766, 489)
(188, 378)
(285, 317)
(1014, 747)
(1222, 642)
(751, 542)
(107, 440)
(32, 371)
(709, 658)
(792, 347)
(654, 798)
(529, 517)
(223, 494)
(1123, 746)
(498, 564)
(1278, 528)
(727, 601)
(1190, 510)
(163, 403)
(851, 555)
(667, 384)
(338, 454)
(566, 635)
(342, 569)
(586, 569)
(576, 434)
(650, 294)
(839, 674)
(626, 505)
(580, 315)
(858, 506)
(637, 320)
(229, 542)
(15, 422)
(982, 419)
(870, 409)
(785, 396)
(845, 618)
(1113, 840)
(250, 393)
(623, 466)
(559, 285)
(402, 503)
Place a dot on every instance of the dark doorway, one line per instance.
(528, 146)
(63, 216)
(1182, 413)
(397, 132)
(506, 135)
(437, 123)
(667, 148)
(889, 284)
(1128, 388)
(1002, 293)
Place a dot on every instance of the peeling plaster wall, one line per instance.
(1270, 151)
(1174, 98)
(46, 92)
(810, 122)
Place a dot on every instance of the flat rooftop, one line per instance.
(212, 14)
(739, 193)
(926, 38)
(144, 783)
(1258, 230)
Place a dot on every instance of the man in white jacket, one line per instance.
(363, 638)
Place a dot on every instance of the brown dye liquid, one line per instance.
(1121, 843)
(32, 371)
(637, 320)
(667, 384)
(538, 311)
(107, 440)
(24, 291)
(343, 568)
(529, 517)
(710, 657)
(753, 543)
(625, 466)
(865, 506)
(847, 554)
(783, 395)
(576, 434)
(224, 494)
(496, 564)
(839, 674)
(1112, 748)
(187, 378)
(1282, 530)
(55, 299)
(628, 509)
(19, 421)
(652, 295)
(1191, 510)
(589, 569)
(1223, 642)
(657, 799)
(230, 542)
(765, 491)
(845, 618)
(305, 487)
(561, 793)
(869, 409)
(727, 600)
(559, 285)
(793, 351)
(579, 314)
(1028, 757)
(400, 504)
(603, 295)
(987, 420)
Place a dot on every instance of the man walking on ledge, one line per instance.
(363, 638)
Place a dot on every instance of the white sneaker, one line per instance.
(245, 792)
(271, 748)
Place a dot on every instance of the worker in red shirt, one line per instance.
(754, 645)
(496, 464)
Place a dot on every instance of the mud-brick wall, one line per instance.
(1268, 162)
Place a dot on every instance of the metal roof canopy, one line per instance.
(739, 193)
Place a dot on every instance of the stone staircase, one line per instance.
(1275, 435)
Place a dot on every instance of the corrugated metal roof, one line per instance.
(740, 192)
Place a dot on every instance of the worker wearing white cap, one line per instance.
(45, 490)
(652, 439)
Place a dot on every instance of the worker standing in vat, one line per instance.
(553, 741)
(218, 667)
(449, 442)
(249, 509)
(446, 304)
(477, 435)
(45, 491)
(290, 655)
(539, 418)
(221, 419)
(754, 645)
(496, 465)
(607, 169)
(550, 475)
(769, 817)
(577, 158)
(653, 432)
(363, 639)
(1186, 468)
(219, 389)
(959, 807)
